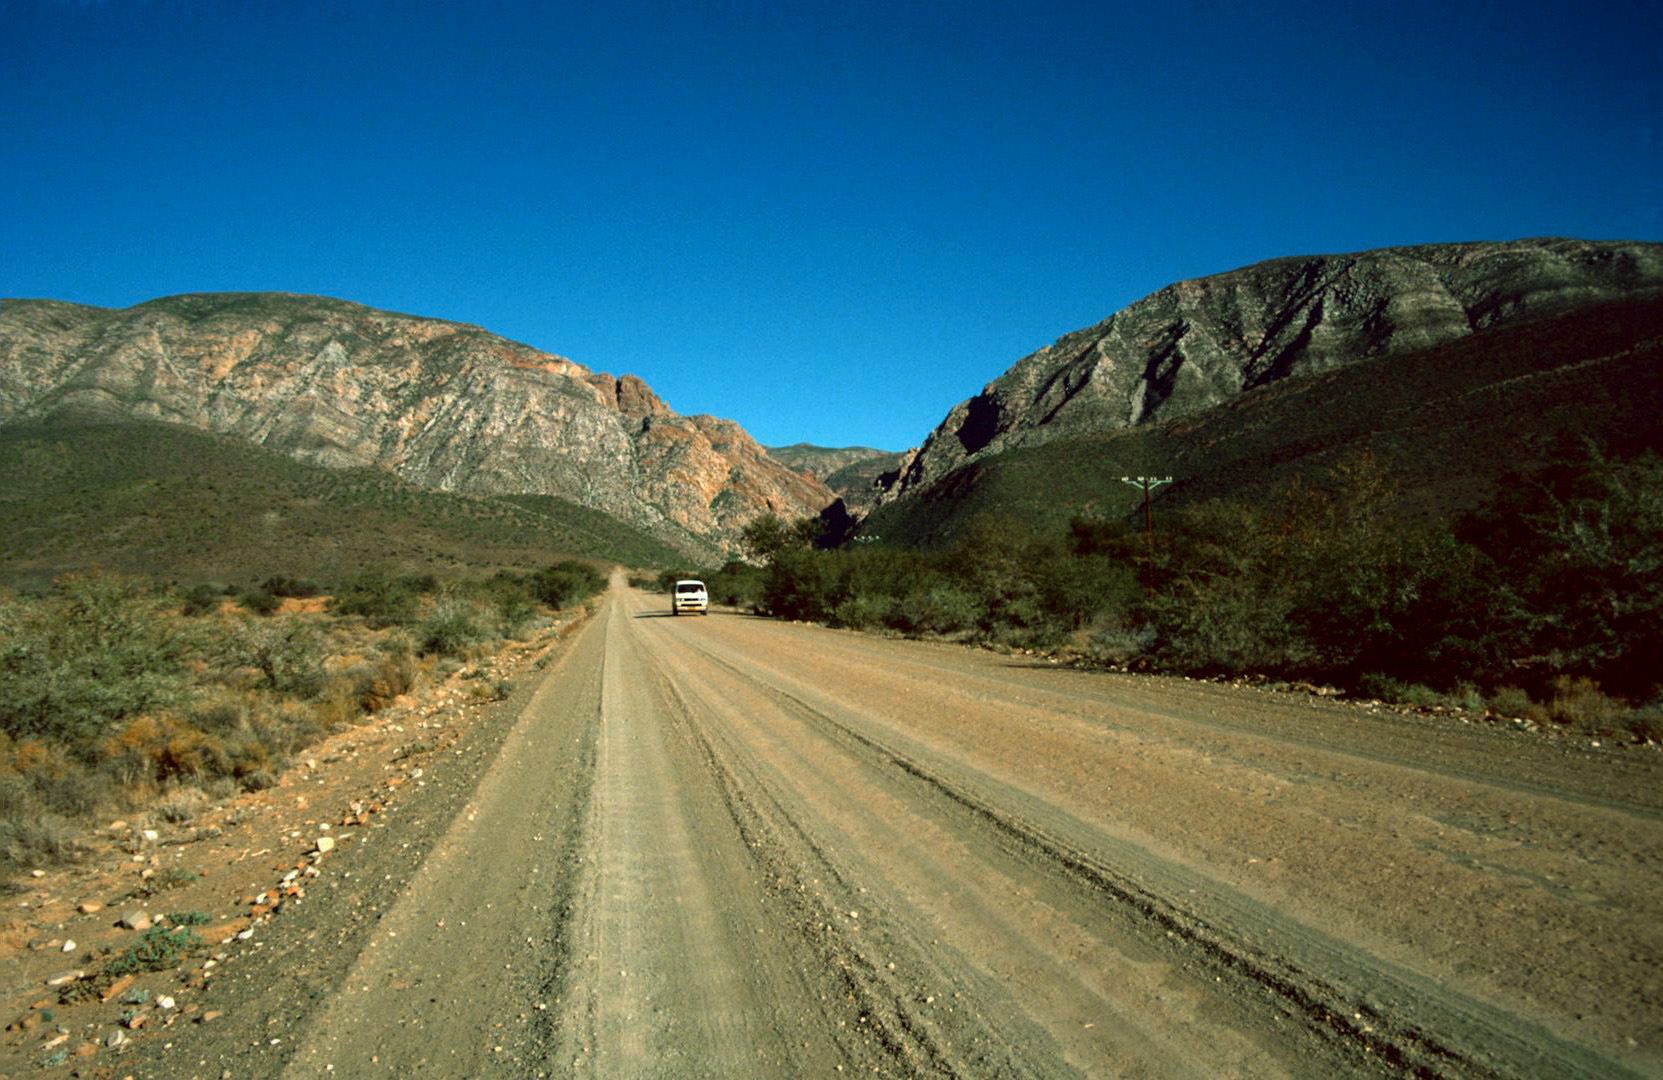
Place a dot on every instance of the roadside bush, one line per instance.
(63, 785)
(261, 602)
(29, 833)
(34, 838)
(92, 650)
(180, 804)
(285, 652)
(201, 600)
(1578, 547)
(451, 629)
(1120, 642)
(938, 606)
(797, 585)
(736, 584)
(1646, 722)
(1393, 691)
(514, 612)
(1218, 606)
(379, 598)
(1580, 703)
(159, 949)
(153, 750)
(375, 684)
(283, 585)
(863, 612)
(666, 580)
(567, 583)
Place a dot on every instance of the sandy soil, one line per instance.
(726, 846)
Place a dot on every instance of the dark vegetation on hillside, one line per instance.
(1549, 602)
(1449, 424)
(158, 498)
(116, 693)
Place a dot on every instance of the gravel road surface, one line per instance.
(727, 846)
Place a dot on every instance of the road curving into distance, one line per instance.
(728, 846)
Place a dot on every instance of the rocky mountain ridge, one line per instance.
(852, 472)
(441, 404)
(1197, 344)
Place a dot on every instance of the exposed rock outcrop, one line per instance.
(1196, 344)
(441, 404)
(851, 471)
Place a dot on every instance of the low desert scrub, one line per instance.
(453, 628)
(120, 698)
(180, 804)
(159, 949)
(1580, 703)
(1514, 703)
(29, 833)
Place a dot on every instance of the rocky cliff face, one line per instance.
(441, 404)
(852, 472)
(1197, 344)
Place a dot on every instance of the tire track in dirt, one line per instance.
(732, 847)
(677, 965)
(1361, 999)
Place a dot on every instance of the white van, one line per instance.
(690, 595)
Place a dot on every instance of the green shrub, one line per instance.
(283, 585)
(864, 612)
(201, 600)
(159, 949)
(736, 584)
(938, 607)
(514, 612)
(451, 630)
(380, 599)
(1578, 547)
(666, 580)
(1399, 693)
(64, 786)
(94, 649)
(797, 585)
(1119, 642)
(287, 653)
(566, 583)
(261, 602)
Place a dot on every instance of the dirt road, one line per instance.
(725, 846)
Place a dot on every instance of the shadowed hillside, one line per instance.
(1448, 422)
(176, 503)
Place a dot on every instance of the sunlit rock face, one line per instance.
(1195, 344)
(441, 404)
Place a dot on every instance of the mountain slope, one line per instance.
(147, 497)
(852, 472)
(1196, 345)
(442, 405)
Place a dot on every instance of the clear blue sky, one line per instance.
(828, 221)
